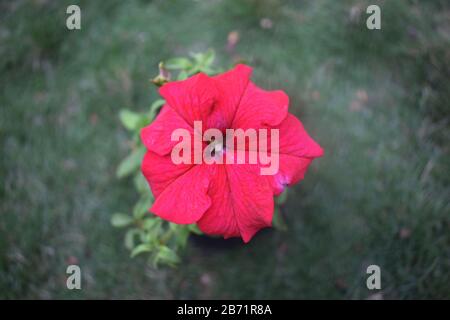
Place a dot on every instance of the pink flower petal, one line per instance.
(296, 152)
(160, 171)
(242, 202)
(296, 141)
(193, 98)
(292, 170)
(259, 108)
(231, 86)
(185, 200)
(157, 136)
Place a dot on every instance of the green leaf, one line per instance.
(282, 198)
(130, 119)
(130, 236)
(203, 60)
(154, 108)
(183, 75)
(167, 256)
(181, 237)
(120, 220)
(131, 163)
(144, 247)
(143, 237)
(174, 227)
(178, 64)
(142, 206)
(208, 58)
(151, 223)
(198, 57)
(194, 229)
(209, 71)
(278, 220)
(141, 184)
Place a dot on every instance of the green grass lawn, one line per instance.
(377, 101)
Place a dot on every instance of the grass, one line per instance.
(377, 101)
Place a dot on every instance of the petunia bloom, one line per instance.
(231, 200)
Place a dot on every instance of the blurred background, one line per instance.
(376, 100)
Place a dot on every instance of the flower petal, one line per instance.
(160, 171)
(296, 152)
(185, 200)
(242, 202)
(259, 108)
(296, 141)
(157, 136)
(231, 85)
(292, 169)
(193, 98)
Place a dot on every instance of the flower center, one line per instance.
(218, 147)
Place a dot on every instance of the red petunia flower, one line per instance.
(232, 200)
